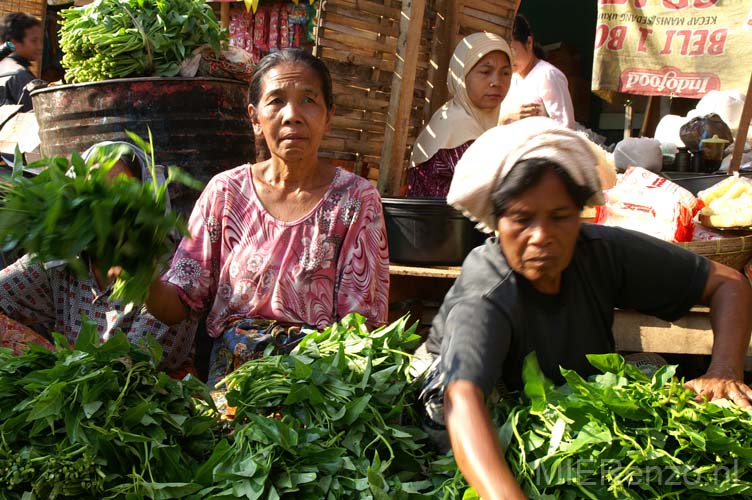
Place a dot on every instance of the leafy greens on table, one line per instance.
(334, 419)
(99, 422)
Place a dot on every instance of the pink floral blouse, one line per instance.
(241, 262)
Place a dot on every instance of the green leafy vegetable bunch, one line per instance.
(98, 422)
(129, 38)
(74, 212)
(625, 435)
(331, 420)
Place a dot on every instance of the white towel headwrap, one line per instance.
(491, 157)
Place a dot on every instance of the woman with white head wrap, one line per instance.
(548, 284)
(478, 79)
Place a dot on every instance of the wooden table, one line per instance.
(420, 290)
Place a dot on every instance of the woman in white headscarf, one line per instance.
(548, 284)
(478, 79)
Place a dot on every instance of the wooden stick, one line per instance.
(224, 14)
(401, 99)
(628, 119)
(741, 135)
(651, 109)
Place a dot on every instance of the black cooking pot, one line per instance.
(427, 231)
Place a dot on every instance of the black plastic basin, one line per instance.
(427, 231)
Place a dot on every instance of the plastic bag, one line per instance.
(638, 152)
(233, 63)
(645, 202)
(704, 127)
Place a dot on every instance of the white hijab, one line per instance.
(493, 155)
(459, 120)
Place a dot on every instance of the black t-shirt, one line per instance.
(492, 318)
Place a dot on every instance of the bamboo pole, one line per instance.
(741, 134)
(224, 14)
(401, 99)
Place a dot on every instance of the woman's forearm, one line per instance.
(164, 303)
(476, 445)
(730, 300)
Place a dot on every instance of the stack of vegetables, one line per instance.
(99, 422)
(333, 419)
(131, 38)
(625, 435)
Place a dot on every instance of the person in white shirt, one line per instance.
(538, 87)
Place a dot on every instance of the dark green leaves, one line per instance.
(622, 434)
(98, 422)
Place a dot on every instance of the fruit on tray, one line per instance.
(728, 204)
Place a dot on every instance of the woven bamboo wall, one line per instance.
(36, 8)
(358, 41)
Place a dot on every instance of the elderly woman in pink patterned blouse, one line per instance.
(287, 243)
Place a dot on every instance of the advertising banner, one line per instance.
(680, 48)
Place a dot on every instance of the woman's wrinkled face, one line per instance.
(538, 232)
(291, 112)
(522, 54)
(32, 45)
(488, 81)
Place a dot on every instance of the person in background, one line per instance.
(281, 245)
(42, 297)
(479, 74)
(548, 284)
(538, 87)
(22, 44)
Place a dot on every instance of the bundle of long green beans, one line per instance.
(129, 38)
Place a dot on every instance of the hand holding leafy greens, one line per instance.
(72, 211)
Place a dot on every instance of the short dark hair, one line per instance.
(294, 57)
(526, 174)
(13, 27)
(521, 31)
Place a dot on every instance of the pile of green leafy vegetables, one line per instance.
(99, 422)
(625, 435)
(333, 419)
(130, 38)
(72, 211)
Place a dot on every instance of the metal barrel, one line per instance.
(198, 124)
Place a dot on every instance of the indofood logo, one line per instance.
(668, 80)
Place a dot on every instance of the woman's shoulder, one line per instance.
(231, 176)
(545, 68)
(354, 184)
